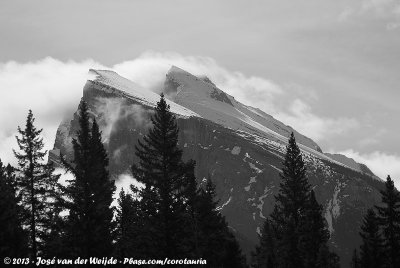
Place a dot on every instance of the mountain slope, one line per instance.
(239, 147)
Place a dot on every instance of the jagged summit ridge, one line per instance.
(125, 87)
(192, 96)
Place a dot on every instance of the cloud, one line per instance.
(124, 182)
(382, 164)
(111, 110)
(149, 70)
(51, 88)
(65, 176)
(301, 118)
(118, 153)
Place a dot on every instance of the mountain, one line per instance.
(351, 163)
(240, 147)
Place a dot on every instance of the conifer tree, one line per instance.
(34, 183)
(126, 217)
(192, 232)
(291, 205)
(216, 242)
(389, 218)
(371, 247)
(178, 219)
(162, 171)
(12, 237)
(296, 227)
(313, 232)
(89, 226)
(53, 223)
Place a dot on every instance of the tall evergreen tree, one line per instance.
(34, 182)
(371, 247)
(89, 225)
(217, 244)
(178, 219)
(291, 206)
(389, 218)
(12, 237)
(126, 219)
(295, 235)
(162, 171)
(314, 233)
(53, 225)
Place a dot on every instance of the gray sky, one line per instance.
(328, 68)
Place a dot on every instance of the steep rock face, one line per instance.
(243, 163)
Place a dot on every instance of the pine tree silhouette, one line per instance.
(89, 227)
(295, 234)
(127, 229)
(389, 219)
(371, 247)
(291, 206)
(162, 171)
(313, 232)
(13, 239)
(34, 183)
(217, 243)
(176, 218)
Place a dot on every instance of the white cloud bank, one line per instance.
(301, 117)
(49, 87)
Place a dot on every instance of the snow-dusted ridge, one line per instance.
(129, 89)
(195, 97)
(197, 93)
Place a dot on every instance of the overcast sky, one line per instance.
(328, 68)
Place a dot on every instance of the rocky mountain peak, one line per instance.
(239, 147)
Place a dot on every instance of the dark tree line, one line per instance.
(380, 233)
(295, 234)
(171, 216)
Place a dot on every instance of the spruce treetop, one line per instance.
(30, 143)
(294, 188)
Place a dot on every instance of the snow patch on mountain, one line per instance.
(332, 211)
(235, 150)
(256, 169)
(227, 202)
(260, 206)
(277, 169)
